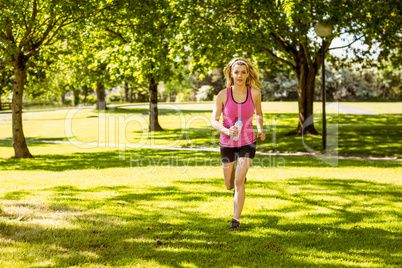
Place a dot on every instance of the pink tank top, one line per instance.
(232, 111)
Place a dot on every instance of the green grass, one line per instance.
(188, 125)
(96, 206)
(75, 207)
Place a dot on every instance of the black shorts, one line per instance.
(230, 154)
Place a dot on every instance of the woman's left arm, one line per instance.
(259, 117)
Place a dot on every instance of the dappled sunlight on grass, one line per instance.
(134, 216)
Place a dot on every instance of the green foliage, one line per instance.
(26, 26)
(390, 82)
(130, 40)
(185, 95)
(181, 81)
(89, 99)
(281, 87)
(218, 30)
(357, 83)
(115, 96)
(353, 83)
(145, 31)
(140, 94)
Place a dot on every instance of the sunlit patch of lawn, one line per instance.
(188, 125)
(149, 208)
(92, 205)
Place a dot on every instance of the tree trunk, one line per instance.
(19, 142)
(76, 93)
(85, 88)
(153, 104)
(126, 92)
(305, 74)
(100, 96)
(306, 69)
(131, 95)
(63, 98)
(0, 101)
(306, 82)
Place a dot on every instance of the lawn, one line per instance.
(188, 125)
(96, 205)
(74, 207)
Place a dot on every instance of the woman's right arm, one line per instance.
(216, 114)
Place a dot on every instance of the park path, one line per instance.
(348, 110)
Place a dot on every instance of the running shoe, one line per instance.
(234, 224)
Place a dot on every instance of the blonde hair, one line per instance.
(252, 79)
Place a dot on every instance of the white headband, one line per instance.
(240, 61)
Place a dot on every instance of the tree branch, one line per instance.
(284, 45)
(9, 32)
(29, 25)
(280, 59)
(55, 32)
(43, 23)
(35, 46)
(117, 34)
(348, 44)
(3, 35)
(307, 53)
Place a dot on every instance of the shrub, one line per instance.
(184, 96)
(115, 97)
(205, 93)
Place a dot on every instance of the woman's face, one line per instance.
(239, 74)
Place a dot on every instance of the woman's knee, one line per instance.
(229, 182)
(229, 186)
(239, 182)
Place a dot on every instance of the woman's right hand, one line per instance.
(233, 131)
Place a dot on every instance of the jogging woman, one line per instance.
(241, 99)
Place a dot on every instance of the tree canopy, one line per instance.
(26, 27)
(108, 42)
(146, 30)
(283, 31)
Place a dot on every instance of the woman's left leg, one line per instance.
(243, 164)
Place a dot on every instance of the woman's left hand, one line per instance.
(261, 135)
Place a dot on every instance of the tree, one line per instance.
(95, 52)
(283, 30)
(390, 81)
(180, 82)
(26, 27)
(146, 30)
